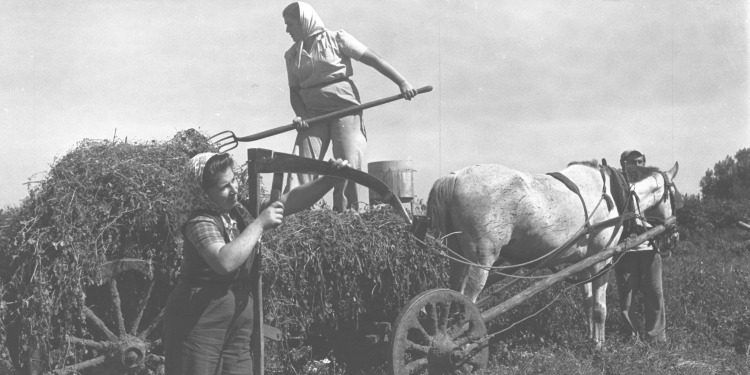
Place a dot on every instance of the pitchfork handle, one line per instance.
(339, 113)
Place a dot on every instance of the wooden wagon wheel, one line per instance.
(126, 342)
(440, 331)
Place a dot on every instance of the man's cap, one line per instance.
(630, 153)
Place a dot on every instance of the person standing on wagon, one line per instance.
(640, 269)
(319, 69)
(208, 320)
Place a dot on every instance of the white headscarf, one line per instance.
(311, 25)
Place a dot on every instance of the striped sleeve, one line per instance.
(202, 232)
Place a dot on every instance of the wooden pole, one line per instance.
(547, 282)
(256, 272)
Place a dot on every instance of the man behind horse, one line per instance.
(639, 269)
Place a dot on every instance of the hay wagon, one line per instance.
(125, 306)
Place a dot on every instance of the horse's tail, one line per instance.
(438, 207)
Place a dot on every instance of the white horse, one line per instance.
(492, 214)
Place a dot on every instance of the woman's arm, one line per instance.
(299, 108)
(306, 195)
(225, 258)
(297, 104)
(378, 63)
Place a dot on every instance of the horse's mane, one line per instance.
(593, 163)
(637, 173)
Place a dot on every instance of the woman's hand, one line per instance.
(300, 124)
(272, 216)
(407, 90)
(339, 163)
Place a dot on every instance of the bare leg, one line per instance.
(348, 143)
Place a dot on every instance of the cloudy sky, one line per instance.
(529, 84)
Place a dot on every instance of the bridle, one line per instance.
(671, 193)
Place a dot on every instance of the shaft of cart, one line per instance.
(547, 282)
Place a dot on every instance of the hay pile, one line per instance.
(324, 270)
(103, 200)
(108, 200)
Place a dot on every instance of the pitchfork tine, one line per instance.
(228, 134)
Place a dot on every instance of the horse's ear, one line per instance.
(673, 172)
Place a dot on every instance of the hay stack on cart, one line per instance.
(89, 258)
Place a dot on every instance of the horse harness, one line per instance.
(574, 188)
(621, 196)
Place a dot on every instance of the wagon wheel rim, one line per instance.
(439, 332)
(125, 347)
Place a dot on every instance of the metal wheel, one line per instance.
(439, 331)
(121, 324)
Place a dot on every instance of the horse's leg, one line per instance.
(459, 274)
(595, 302)
(484, 255)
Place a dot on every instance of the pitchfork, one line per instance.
(228, 141)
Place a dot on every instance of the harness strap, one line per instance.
(610, 203)
(574, 188)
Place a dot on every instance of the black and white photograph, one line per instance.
(374, 187)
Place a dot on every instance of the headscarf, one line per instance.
(192, 197)
(311, 25)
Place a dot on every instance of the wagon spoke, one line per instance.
(100, 345)
(448, 314)
(420, 331)
(154, 343)
(463, 341)
(98, 323)
(82, 365)
(414, 347)
(155, 359)
(431, 318)
(418, 365)
(141, 308)
(117, 305)
(443, 316)
(475, 362)
(459, 329)
(154, 323)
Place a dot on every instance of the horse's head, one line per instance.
(658, 197)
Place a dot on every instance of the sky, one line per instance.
(531, 84)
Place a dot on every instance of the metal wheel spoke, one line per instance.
(418, 365)
(82, 365)
(100, 345)
(141, 308)
(152, 326)
(117, 305)
(98, 323)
